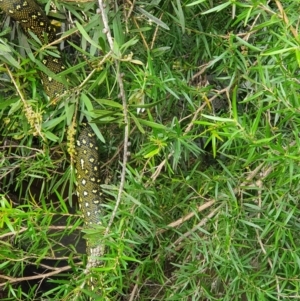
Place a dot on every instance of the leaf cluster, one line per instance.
(210, 205)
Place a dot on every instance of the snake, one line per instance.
(33, 19)
(87, 174)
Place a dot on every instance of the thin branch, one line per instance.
(93, 71)
(286, 20)
(124, 103)
(187, 217)
(41, 276)
(202, 223)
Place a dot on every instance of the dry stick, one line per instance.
(26, 258)
(189, 127)
(286, 20)
(249, 178)
(200, 72)
(187, 217)
(43, 276)
(126, 122)
(155, 33)
(133, 292)
(202, 222)
(141, 34)
(100, 64)
(247, 36)
(210, 203)
(23, 229)
(130, 9)
(10, 144)
(161, 165)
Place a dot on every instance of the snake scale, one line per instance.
(32, 18)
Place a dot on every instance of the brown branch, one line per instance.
(286, 20)
(43, 276)
(202, 223)
(126, 120)
(187, 217)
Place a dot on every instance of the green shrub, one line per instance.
(209, 194)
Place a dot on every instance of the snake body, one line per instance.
(32, 18)
(87, 174)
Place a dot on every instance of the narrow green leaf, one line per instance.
(128, 44)
(234, 104)
(51, 136)
(137, 123)
(256, 121)
(86, 36)
(110, 103)
(196, 2)
(152, 124)
(250, 224)
(53, 122)
(278, 51)
(214, 145)
(180, 15)
(152, 18)
(217, 8)
(118, 30)
(216, 118)
(250, 46)
(11, 61)
(266, 140)
(152, 153)
(62, 202)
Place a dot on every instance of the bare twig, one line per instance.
(202, 223)
(247, 183)
(93, 71)
(187, 217)
(130, 9)
(41, 276)
(286, 20)
(133, 293)
(124, 103)
(155, 33)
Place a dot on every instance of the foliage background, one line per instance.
(210, 207)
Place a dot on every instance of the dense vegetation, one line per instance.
(206, 206)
